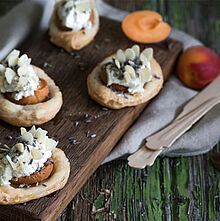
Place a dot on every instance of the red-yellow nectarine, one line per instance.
(198, 66)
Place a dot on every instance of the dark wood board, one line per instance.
(70, 72)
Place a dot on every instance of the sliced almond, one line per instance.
(10, 162)
(41, 135)
(145, 75)
(83, 6)
(131, 62)
(50, 144)
(130, 70)
(33, 130)
(24, 60)
(68, 4)
(143, 58)
(12, 60)
(28, 137)
(19, 147)
(148, 52)
(130, 54)
(120, 56)
(117, 63)
(23, 131)
(127, 77)
(36, 154)
(136, 49)
(13, 53)
(9, 74)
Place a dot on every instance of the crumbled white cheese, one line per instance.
(17, 76)
(75, 14)
(27, 156)
(130, 69)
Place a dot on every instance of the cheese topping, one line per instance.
(130, 69)
(17, 76)
(75, 14)
(27, 156)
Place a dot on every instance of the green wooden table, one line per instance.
(173, 188)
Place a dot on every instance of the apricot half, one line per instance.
(36, 177)
(39, 96)
(198, 66)
(104, 79)
(145, 27)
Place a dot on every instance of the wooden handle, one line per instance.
(166, 137)
(148, 153)
(143, 157)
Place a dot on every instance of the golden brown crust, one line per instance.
(70, 40)
(40, 176)
(106, 97)
(10, 195)
(36, 114)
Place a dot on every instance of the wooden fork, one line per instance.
(192, 112)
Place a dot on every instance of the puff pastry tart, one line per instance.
(32, 168)
(73, 24)
(127, 78)
(28, 96)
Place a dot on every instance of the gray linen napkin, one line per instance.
(27, 20)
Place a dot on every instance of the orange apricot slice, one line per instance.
(36, 177)
(145, 27)
(39, 96)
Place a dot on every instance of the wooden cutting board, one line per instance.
(70, 72)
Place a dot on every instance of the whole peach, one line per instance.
(198, 66)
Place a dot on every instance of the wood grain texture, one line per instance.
(70, 72)
(184, 188)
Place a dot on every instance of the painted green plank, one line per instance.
(152, 192)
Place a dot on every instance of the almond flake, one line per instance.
(33, 130)
(143, 58)
(148, 52)
(24, 60)
(145, 75)
(28, 137)
(117, 63)
(83, 6)
(68, 4)
(20, 147)
(41, 135)
(36, 154)
(120, 56)
(13, 53)
(127, 77)
(9, 74)
(50, 144)
(136, 49)
(130, 54)
(130, 70)
(23, 131)
(12, 60)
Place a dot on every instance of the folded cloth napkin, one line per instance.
(27, 20)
